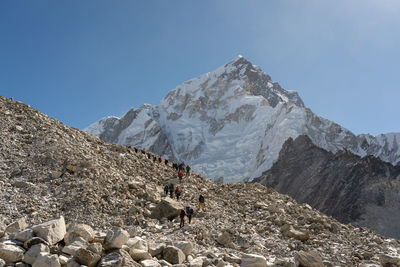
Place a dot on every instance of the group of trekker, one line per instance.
(170, 189)
(180, 168)
(188, 211)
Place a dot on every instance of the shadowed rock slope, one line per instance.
(361, 191)
(48, 170)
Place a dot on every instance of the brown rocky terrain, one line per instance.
(50, 171)
(352, 189)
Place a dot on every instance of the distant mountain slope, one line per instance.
(362, 191)
(232, 123)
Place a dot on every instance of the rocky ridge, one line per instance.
(48, 171)
(361, 191)
(232, 123)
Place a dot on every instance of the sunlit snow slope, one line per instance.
(231, 123)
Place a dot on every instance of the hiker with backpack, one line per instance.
(171, 190)
(166, 162)
(177, 192)
(201, 202)
(160, 159)
(182, 216)
(189, 213)
(180, 175)
(187, 170)
(166, 189)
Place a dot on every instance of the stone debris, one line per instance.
(52, 231)
(111, 201)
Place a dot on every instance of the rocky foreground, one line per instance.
(70, 199)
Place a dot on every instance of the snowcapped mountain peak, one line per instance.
(231, 123)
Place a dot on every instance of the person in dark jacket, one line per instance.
(171, 190)
(166, 189)
(182, 216)
(189, 213)
(166, 162)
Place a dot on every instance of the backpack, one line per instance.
(201, 199)
(178, 191)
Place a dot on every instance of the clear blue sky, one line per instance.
(79, 60)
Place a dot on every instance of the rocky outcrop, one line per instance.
(362, 191)
(99, 188)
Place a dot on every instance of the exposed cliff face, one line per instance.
(362, 191)
(231, 123)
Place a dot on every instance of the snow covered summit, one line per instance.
(232, 123)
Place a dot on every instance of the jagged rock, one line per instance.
(173, 255)
(24, 235)
(118, 258)
(387, 260)
(150, 263)
(185, 246)
(16, 226)
(2, 263)
(299, 235)
(116, 238)
(138, 254)
(252, 260)
(11, 253)
(156, 249)
(197, 262)
(224, 238)
(309, 259)
(52, 231)
(232, 259)
(31, 255)
(45, 259)
(75, 246)
(79, 230)
(34, 241)
(137, 243)
(96, 248)
(63, 259)
(87, 257)
(72, 263)
(167, 208)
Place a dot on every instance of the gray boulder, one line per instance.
(309, 259)
(116, 238)
(45, 259)
(150, 263)
(185, 246)
(252, 260)
(52, 231)
(138, 254)
(79, 230)
(118, 258)
(173, 255)
(87, 257)
(11, 253)
(31, 255)
(16, 226)
(167, 208)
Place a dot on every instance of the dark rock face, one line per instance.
(362, 191)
